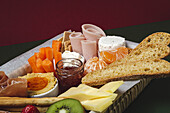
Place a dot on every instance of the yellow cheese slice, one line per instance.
(111, 86)
(99, 104)
(84, 92)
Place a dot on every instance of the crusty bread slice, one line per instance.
(154, 46)
(149, 51)
(158, 37)
(128, 71)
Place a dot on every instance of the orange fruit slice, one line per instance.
(113, 55)
(93, 64)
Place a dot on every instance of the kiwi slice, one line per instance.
(68, 105)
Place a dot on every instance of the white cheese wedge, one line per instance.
(111, 43)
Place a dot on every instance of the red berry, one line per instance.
(30, 109)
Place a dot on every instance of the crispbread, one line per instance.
(65, 39)
(129, 71)
(66, 45)
(154, 46)
(70, 48)
(66, 36)
(158, 37)
(60, 39)
(129, 50)
(149, 51)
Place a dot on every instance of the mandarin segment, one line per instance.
(108, 56)
(113, 55)
(123, 51)
(102, 63)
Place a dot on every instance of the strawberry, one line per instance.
(30, 109)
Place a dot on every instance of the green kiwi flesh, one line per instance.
(66, 106)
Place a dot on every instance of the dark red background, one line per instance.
(30, 20)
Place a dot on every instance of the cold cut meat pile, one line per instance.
(86, 43)
(12, 87)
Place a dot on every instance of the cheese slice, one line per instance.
(111, 43)
(83, 93)
(99, 104)
(111, 86)
(93, 98)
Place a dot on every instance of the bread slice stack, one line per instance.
(143, 61)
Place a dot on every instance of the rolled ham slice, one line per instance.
(12, 87)
(92, 32)
(75, 38)
(3, 79)
(89, 49)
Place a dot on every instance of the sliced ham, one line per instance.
(3, 77)
(12, 87)
(92, 32)
(75, 38)
(3, 80)
(89, 49)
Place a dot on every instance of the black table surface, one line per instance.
(155, 98)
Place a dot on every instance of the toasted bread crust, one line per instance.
(150, 51)
(134, 70)
(158, 37)
(129, 78)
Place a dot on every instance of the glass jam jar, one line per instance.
(69, 73)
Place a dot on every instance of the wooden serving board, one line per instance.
(19, 66)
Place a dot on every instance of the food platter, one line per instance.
(83, 72)
(126, 93)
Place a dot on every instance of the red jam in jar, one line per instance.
(69, 73)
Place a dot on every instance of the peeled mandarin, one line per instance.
(93, 64)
